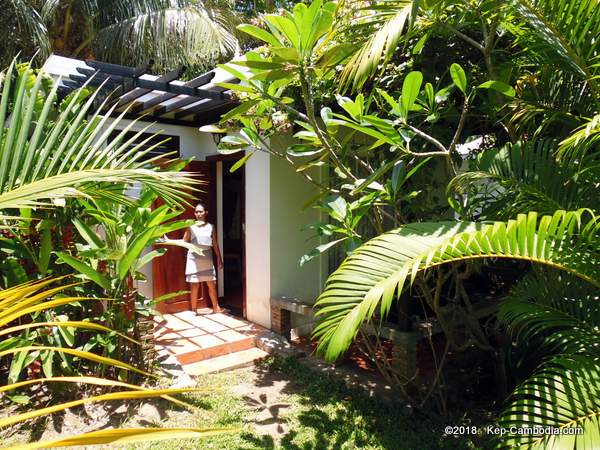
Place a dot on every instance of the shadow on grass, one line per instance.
(330, 415)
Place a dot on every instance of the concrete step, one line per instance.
(214, 350)
(231, 361)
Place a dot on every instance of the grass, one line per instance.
(280, 404)
(310, 411)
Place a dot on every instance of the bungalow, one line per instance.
(258, 209)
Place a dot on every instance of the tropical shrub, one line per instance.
(22, 303)
(50, 155)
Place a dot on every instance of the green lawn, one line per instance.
(300, 409)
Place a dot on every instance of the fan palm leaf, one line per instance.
(371, 278)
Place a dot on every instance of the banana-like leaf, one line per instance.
(85, 270)
(374, 275)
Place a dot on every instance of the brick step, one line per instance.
(231, 361)
(213, 351)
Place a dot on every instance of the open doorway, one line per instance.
(232, 229)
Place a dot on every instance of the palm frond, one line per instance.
(44, 157)
(24, 29)
(551, 102)
(373, 276)
(582, 147)
(564, 395)
(551, 313)
(19, 302)
(563, 32)
(391, 20)
(522, 177)
(183, 32)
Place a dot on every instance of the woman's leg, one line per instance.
(212, 293)
(195, 289)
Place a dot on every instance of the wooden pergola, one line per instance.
(162, 99)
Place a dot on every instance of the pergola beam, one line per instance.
(165, 95)
(137, 93)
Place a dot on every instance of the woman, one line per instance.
(200, 268)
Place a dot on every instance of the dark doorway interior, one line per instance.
(233, 238)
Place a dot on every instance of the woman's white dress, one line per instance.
(199, 268)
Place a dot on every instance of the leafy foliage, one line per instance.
(23, 300)
(374, 274)
(49, 154)
(563, 395)
(518, 178)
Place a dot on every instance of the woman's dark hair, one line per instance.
(200, 204)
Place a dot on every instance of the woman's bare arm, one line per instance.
(215, 245)
(187, 236)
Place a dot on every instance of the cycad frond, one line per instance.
(376, 272)
(555, 313)
(564, 395)
(522, 177)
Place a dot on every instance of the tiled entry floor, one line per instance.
(207, 343)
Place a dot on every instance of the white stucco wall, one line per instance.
(275, 195)
(258, 241)
(193, 143)
(289, 193)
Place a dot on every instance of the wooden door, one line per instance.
(168, 271)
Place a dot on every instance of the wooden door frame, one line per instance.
(227, 158)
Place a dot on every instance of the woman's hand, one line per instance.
(220, 264)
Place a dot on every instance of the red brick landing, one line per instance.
(207, 343)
